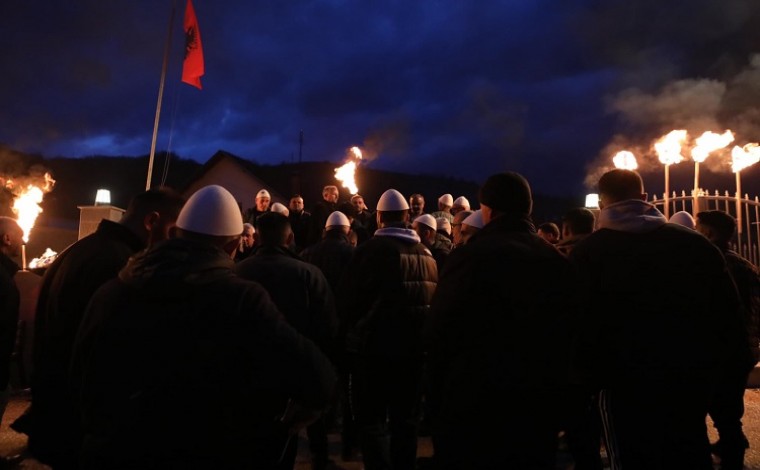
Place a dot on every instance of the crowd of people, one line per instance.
(189, 335)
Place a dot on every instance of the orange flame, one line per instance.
(710, 142)
(668, 148)
(742, 157)
(625, 160)
(26, 204)
(345, 174)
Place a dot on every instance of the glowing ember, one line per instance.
(742, 157)
(710, 142)
(668, 148)
(345, 173)
(625, 160)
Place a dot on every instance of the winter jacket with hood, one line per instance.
(180, 363)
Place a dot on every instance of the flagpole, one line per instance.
(167, 47)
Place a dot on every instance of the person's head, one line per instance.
(443, 226)
(416, 204)
(296, 204)
(682, 218)
(11, 237)
(460, 204)
(247, 239)
(348, 209)
(338, 221)
(426, 227)
(274, 230)
(505, 193)
(549, 232)
(472, 225)
(358, 201)
(392, 208)
(577, 221)
(456, 226)
(445, 202)
(277, 207)
(620, 185)
(717, 226)
(151, 215)
(330, 193)
(262, 200)
(211, 216)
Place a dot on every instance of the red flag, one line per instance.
(192, 69)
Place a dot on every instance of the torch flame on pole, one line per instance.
(668, 150)
(625, 160)
(741, 158)
(26, 206)
(705, 145)
(345, 174)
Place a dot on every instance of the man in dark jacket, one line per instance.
(320, 211)
(498, 340)
(11, 239)
(181, 364)
(66, 289)
(384, 301)
(300, 221)
(656, 354)
(727, 408)
(302, 293)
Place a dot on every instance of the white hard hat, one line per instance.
(427, 219)
(462, 202)
(263, 193)
(392, 200)
(446, 200)
(337, 218)
(474, 220)
(211, 210)
(444, 224)
(277, 207)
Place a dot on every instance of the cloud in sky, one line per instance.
(543, 87)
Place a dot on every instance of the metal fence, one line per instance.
(746, 211)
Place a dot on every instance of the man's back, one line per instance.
(660, 303)
(182, 363)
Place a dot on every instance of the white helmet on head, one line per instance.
(428, 220)
(211, 210)
(392, 200)
(337, 219)
(447, 200)
(263, 193)
(444, 224)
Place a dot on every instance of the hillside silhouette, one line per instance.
(78, 179)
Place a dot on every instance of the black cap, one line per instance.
(507, 192)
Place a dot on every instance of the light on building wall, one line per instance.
(103, 196)
(592, 201)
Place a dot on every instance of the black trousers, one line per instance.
(726, 410)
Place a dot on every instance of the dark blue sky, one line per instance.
(547, 88)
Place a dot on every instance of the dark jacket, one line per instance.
(332, 254)
(747, 280)
(300, 223)
(66, 288)
(499, 332)
(319, 214)
(299, 290)
(181, 364)
(384, 298)
(9, 305)
(659, 303)
(252, 215)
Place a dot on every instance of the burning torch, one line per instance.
(26, 206)
(625, 160)
(345, 174)
(668, 150)
(741, 158)
(706, 144)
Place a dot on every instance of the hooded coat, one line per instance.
(181, 364)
